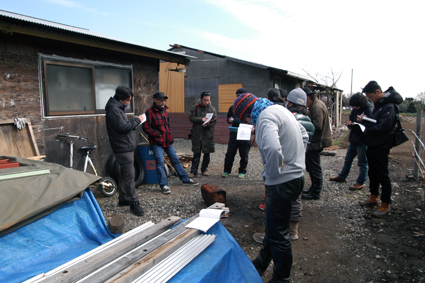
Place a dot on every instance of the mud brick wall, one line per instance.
(20, 86)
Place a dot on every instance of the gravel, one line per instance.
(339, 240)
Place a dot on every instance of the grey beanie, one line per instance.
(297, 96)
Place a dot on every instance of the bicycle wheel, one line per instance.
(107, 186)
(114, 169)
(111, 169)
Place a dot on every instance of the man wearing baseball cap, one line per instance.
(157, 127)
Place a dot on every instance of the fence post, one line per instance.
(417, 142)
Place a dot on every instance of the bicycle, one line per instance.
(107, 186)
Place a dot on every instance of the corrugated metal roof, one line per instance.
(260, 66)
(48, 25)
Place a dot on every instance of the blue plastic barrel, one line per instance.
(148, 160)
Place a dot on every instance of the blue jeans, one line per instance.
(353, 151)
(175, 161)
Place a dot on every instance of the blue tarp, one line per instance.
(223, 261)
(68, 232)
(78, 227)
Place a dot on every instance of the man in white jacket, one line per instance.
(281, 141)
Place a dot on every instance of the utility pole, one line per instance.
(351, 92)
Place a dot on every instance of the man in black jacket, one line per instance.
(379, 139)
(123, 143)
(233, 145)
(357, 144)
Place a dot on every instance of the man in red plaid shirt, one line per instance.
(157, 126)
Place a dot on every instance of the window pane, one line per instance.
(70, 88)
(106, 83)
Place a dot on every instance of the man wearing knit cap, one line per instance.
(281, 142)
(234, 145)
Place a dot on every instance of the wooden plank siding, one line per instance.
(172, 84)
(226, 96)
(180, 125)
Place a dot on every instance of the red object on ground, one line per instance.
(5, 163)
(212, 194)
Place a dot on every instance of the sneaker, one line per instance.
(241, 175)
(259, 237)
(205, 173)
(136, 209)
(190, 182)
(264, 197)
(310, 196)
(262, 207)
(124, 203)
(225, 175)
(166, 190)
(293, 237)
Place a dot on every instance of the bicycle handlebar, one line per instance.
(67, 135)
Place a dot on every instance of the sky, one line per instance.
(361, 40)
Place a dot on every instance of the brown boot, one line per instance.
(293, 230)
(371, 201)
(383, 210)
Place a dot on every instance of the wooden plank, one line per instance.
(19, 143)
(23, 174)
(98, 260)
(143, 265)
(227, 96)
(172, 84)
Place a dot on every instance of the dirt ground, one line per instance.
(339, 240)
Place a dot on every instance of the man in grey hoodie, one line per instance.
(281, 141)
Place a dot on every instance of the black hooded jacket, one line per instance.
(120, 129)
(381, 133)
(356, 134)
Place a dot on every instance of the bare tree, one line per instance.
(329, 79)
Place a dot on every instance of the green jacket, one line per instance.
(307, 124)
(200, 134)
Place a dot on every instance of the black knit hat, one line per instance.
(241, 91)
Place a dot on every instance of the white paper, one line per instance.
(362, 127)
(209, 116)
(369, 119)
(207, 218)
(144, 119)
(244, 132)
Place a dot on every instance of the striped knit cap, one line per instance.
(243, 105)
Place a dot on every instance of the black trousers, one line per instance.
(126, 187)
(195, 162)
(377, 159)
(277, 243)
(313, 167)
(232, 147)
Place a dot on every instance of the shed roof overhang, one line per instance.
(11, 23)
